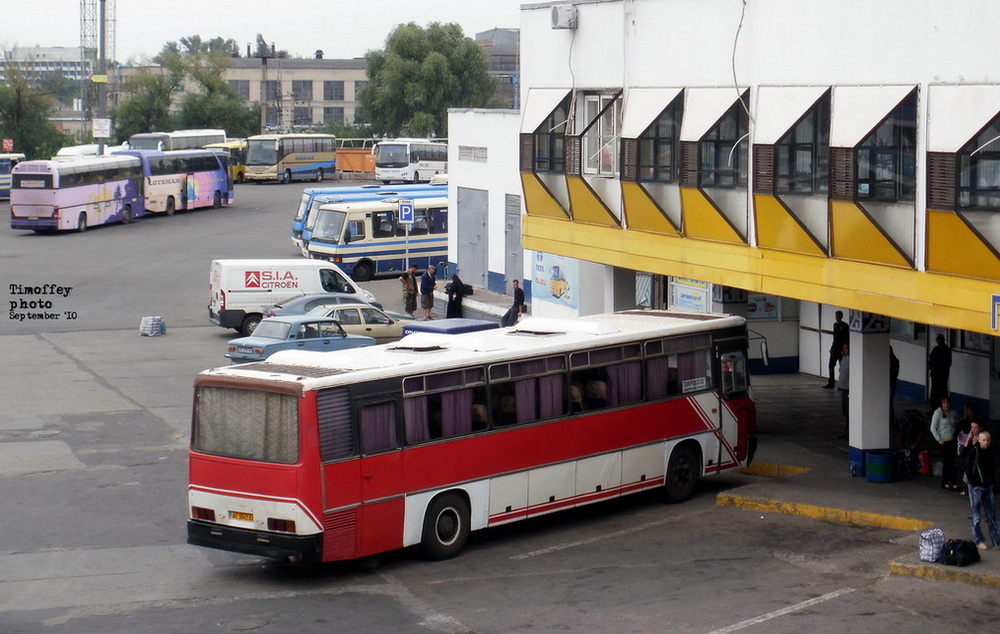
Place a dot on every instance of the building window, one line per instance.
(333, 90)
(802, 157)
(659, 148)
(600, 139)
(979, 171)
(475, 154)
(302, 89)
(241, 87)
(272, 116)
(724, 150)
(333, 115)
(302, 115)
(550, 150)
(887, 158)
(270, 90)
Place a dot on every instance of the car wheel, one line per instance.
(682, 475)
(446, 527)
(250, 323)
(363, 271)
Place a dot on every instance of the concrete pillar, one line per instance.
(870, 426)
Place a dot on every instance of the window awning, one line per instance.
(956, 114)
(703, 107)
(778, 108)
(642, 107)
(856, 110)
(538, 105)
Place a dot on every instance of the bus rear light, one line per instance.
(201, 513)
(283, 526)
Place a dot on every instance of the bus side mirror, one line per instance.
(763, 352)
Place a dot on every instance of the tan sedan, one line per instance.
(364, 319)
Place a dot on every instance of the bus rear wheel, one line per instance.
(363, 271)
(682, 475)
(81, 224)
(171, 208)
(446, 527)
(319, 175)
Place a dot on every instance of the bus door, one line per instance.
(734, 414)
(383, 503)
(190, 191)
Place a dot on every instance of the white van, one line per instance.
(240, 289)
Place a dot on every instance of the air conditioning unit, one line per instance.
(564, 16)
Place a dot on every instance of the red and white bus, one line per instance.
(314, 456)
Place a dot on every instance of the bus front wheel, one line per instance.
(682, 475)
(286, 177)
(216, 200)
(363, 271)
(446, 527)
(127, 214)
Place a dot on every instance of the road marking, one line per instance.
(783, 611)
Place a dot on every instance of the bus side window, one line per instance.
(378, 427)
(355, 231)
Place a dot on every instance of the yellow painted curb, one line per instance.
(944, 573)
(856, 518)
(769, 470)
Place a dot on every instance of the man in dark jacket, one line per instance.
(517, 308)
(980, 474)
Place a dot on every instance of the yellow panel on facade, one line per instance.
(854, 236)
(703, 220)
(642, 213)
(778, 229)
(585, 204)
(537, 199)
(952, 247)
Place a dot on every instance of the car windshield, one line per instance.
(272, 330)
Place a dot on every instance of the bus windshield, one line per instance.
(329, 226)
(246, 424)
(262, 152)
(391, 154)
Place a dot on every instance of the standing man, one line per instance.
(428, 282)
(939, 363)
(841, 336)
(517, 308)
(980, 472)
(409, 280)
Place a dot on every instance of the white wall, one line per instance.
(497, 131)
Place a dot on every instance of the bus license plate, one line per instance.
(241, 517)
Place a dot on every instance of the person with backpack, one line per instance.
(979, 476)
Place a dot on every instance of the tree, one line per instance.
(147, 106)
(420, 74)
(24, 115)
(194, 44)
(264, 49)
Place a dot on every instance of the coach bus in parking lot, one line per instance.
(76, 194)
(288, 157)
(410, 160)
(184, 179)
(312, 456)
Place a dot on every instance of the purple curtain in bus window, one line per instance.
(624, 383)
(657, 373)
(524, 392)
(550, 397)
(415, 415)
(456, 412)
(378, 427)
(692, 365)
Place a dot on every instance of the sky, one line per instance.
(340, 28)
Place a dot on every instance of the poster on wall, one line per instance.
(688, 294)
(555, 279)
(763, 307)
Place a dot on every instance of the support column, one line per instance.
(870, 424)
